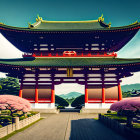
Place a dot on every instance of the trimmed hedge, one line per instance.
(60, 101)
(78, 101)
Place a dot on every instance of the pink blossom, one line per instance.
(14, 102)
(132, 104)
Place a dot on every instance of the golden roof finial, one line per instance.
(38, 18)
(101, 19)
(109, 25)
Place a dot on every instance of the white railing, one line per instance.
(18, 125)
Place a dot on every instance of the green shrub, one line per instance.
(33, 112)
(1, 126)
(60, 101)
(22, 118)
(108, 111)
(79, 101)
(29, 115)
(5, 112)
(113, 115)
(6, 117)
(15, 115)
(5, 120)
(60, 107)
(137, 126)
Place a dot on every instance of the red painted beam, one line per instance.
(20, 91)
(52, 94)
(103, 93)
(71, 81)
(86, 94)
(119, 92)
(36, 94)
(73, 55)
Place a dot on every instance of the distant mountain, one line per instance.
(70, 95)
(130, 87)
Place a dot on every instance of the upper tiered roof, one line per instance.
(41, 24)
(86, 25)
(59, 36)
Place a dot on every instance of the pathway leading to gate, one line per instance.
(67, 126)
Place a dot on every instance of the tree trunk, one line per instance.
(129, 121)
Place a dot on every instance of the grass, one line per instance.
(137, 125)
(95, 118)
(121, 119)
(17, 131)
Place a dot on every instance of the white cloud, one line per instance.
(7, 50)
(132, 49)
(66, 88)
(2, 75)
(132, 79)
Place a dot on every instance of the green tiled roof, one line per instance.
(52, 25)
(68, 25)
(69, 62)
(87, 25)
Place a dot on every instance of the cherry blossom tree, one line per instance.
(129, 107)
(14, 104)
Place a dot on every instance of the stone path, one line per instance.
(67, 126)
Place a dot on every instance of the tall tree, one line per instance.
(128, 107)
(9, 86)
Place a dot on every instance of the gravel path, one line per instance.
(67, 126)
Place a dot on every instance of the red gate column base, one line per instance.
(86, 96)
(119, 92)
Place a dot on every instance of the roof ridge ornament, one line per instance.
(101, 19)
(109, 24)
(1, 23)
(39, 18)
(38, 21)
(136, 22)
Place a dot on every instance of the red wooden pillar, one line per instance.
(103, 93)
(86, 94)
(36, 93)
(119, 92)
(52, 94)
(20, 91)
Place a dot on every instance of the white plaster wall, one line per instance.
(98, 105)
(43, 105)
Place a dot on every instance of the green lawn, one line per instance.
(121, 119)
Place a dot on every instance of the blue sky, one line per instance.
(20, 12)
(119, 13)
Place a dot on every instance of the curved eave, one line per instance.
(21, 29)
(70, 62)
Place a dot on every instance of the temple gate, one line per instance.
(80, 52)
